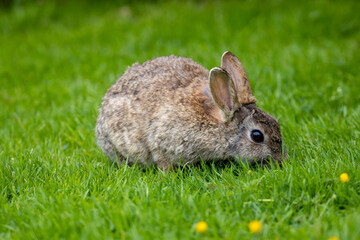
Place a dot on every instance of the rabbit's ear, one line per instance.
(233, 66)
(223, 91)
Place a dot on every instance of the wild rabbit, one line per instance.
(171, 110)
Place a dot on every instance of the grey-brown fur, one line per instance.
(163, 111)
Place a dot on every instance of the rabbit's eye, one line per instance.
(257, 136)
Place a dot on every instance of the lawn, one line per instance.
(58, 58)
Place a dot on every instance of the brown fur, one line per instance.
(163, 112)
(231, 64)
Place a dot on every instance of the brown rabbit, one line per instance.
(171, 110)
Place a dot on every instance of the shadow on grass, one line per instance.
(202, 168)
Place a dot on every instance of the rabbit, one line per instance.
(171, 111)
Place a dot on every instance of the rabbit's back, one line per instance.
(158, 78)
(151, 110)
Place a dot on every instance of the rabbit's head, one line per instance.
(250, 133)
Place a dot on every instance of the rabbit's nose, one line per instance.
(281, 157)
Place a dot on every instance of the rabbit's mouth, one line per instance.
(279, 158)
(263, 162)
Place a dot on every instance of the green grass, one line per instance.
(57, 61)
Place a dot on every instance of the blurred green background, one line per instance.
(58, 58)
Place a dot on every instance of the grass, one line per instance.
(57, 59)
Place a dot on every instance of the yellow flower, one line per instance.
(255, 226)
(201, 227)
(344, 177)
(334, 238)
(249, 172)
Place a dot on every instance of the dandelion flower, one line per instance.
(344, 177)
(249, 172)
(334, 238)
(201, 227)
(255, 226)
